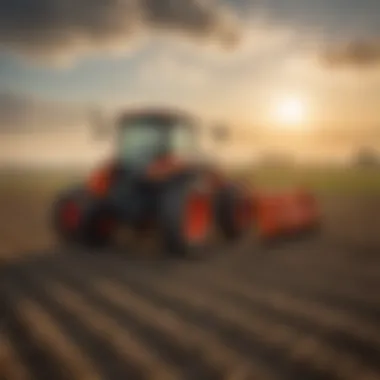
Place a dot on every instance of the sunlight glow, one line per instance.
(290, 111)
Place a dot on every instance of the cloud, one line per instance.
(166, 70)
(353, 54)
(313, 68)
(259, 39)
(59, 30)
(27, 114)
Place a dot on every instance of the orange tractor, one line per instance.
(157, 180)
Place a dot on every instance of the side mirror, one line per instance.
(220, 133)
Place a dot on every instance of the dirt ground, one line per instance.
(307, 309)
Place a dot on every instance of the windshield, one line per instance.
(182, 141)
(141, 142)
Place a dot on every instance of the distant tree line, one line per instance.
(367, 157)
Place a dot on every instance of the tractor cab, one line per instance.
(152, 146)
(148, 136)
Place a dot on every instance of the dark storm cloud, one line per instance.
(22, 113)
(355, 54)
(50, 27)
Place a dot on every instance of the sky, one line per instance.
(296, 75)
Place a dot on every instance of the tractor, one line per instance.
(157, 181)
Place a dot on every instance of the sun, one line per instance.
(290, 111)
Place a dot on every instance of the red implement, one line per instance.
(285, 213)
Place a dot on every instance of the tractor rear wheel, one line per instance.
(234, 213)
(186, 218)
(79, 220)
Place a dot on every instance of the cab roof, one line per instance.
(162, 115)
